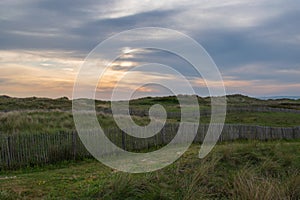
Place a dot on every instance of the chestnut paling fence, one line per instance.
(21, 150)
(207, 112)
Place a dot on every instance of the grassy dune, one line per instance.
(171, 103)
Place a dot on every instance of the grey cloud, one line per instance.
(73, 25)
(4, 80)
(158, 56)
(234, 50)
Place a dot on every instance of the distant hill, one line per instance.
(4, 97)
(34, 103)
(279, 97)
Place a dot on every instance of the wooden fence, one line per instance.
(207, 112)
(21, 150)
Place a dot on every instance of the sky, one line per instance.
(255, 44)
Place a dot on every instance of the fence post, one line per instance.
(123, 140)
(163, 136)
(74, 137)
(156, 140)
(9, 153)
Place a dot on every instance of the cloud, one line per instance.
(37, 73)
(252, 42)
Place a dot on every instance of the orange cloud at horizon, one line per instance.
(52, 74)
(26, 74)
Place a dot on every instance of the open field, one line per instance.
(239, 170)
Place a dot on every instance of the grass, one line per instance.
(239, 170)
(49, 122)
(33, 122)
(56, 121)
(273, 119)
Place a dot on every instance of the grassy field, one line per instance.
(274, 119)
(55, 121)
(239, 170)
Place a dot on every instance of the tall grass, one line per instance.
(34, 122)
(227, 173)
(50, 122)
(248, 185)
(57, 121)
